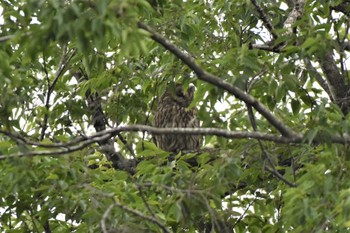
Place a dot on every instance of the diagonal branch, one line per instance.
(320, 80)
(265, 20)
(210, 78)
(335, 80)
(143, 216)
(265, 154)
(104, 218)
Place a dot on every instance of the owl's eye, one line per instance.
(180, 94)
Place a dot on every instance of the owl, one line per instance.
(172, 111)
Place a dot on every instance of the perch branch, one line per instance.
(82, 142)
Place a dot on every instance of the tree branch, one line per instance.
(9, 37)
(335, 80)
(104, 218)
(318, 77)
(244, 212)
(141, 215)
(210, 78)
(294, 15)
(99, 121)
(265, 20)
(83, 142)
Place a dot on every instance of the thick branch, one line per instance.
(99, 122)
(294, 15)
(210, 78)
(334, 78)
(83, 142)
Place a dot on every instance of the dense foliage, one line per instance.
(80, 81)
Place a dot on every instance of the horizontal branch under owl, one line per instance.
(82, 142)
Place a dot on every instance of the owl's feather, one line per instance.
(172, 111)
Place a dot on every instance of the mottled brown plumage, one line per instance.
(172, 112)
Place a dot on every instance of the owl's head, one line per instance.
(175, 94)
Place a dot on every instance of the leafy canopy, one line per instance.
(79, 82)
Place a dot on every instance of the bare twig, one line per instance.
(265, 154)
(145, 201)
(104, 218)
(61, 67)
(280, 177)
(210, 78)
(244, 212)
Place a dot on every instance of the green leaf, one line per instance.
(296, 106)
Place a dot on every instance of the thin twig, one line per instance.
(104, 218)
(61, 67)
(141, 215)
(265, 154)
(145, 201)
(244, 212)
(9, 37)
